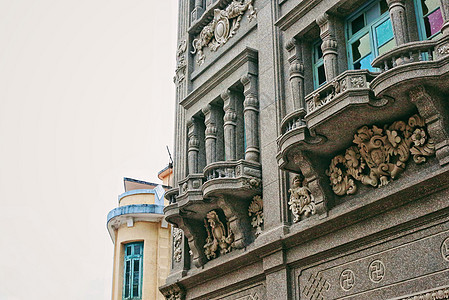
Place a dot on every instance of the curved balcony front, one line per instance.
(239, 178)
(333, 112)
(413, 64)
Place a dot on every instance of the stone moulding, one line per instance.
(223, 26)
(380, 155)
(440, 293)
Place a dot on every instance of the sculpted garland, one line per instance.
(218, 238)
(222, 27)
(177, 239)
(380, 155)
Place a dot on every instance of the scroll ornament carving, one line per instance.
(255, 211)
(252, 183)
(174, 296)
(177, 239)
(181, 63)
(301, 199)
(443, 49)
(223, 27)
(219, 238)
(380, 155)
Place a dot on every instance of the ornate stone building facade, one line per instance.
(311, 150)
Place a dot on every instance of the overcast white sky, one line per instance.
(86, 98)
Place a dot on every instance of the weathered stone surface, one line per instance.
(354, 174)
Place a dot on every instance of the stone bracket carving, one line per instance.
(380, 155)
(224, 25)
(308, 196)
(432, 109)
(173, 292)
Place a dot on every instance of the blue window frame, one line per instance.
(369, 34)
(429, 18)
(132, 271)
(319, 73)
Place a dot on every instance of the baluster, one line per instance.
(430, 54)
(420, 57)
(393, 61)
(385, 65)
(410, 54)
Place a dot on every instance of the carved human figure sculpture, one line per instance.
(301, 199)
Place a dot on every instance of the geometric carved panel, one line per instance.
(399, 267)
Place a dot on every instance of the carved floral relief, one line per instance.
(181, 63)
(223, 26)
(219, 237)
(177, 239)
(380, 155)
(255, 211)
(301, 202)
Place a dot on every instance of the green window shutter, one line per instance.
(132, 277)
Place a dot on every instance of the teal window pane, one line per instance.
(387, 46)
(372, 14)
(361, 47)
(127, 275)
(137, 249)
(433, 23)
(384, 32)
(429, 5)
(321, 75)
(318, 52)
(136, 278)
(128, 250)
(364, 63)
(358, 24)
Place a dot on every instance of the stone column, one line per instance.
(329, 46)
(251, 117)
(445, 12)
(230, 125)
(193, 148)
(197, 11)
(211, 134)
(296, 78)
(398, 21)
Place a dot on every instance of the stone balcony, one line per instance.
(240, 179)
(411, 65)
(332, 113)
(226, 187)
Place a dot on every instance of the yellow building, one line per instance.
(141, 240)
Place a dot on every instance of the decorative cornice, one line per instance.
(295, 14)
